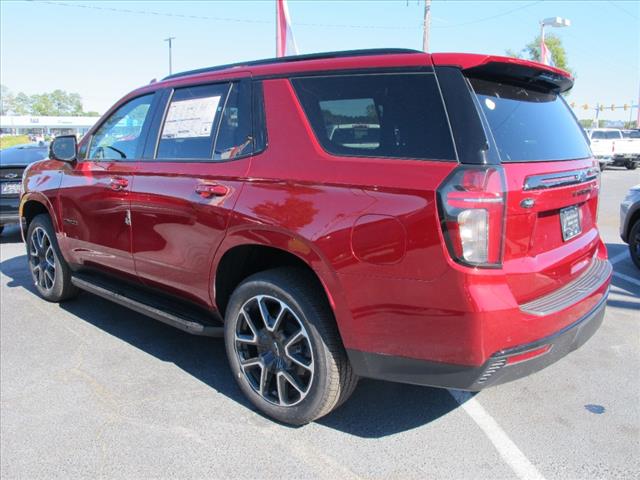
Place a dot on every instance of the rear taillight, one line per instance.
(471, 203)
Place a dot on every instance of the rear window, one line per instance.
(377, 115)
(604, 135)
(529, 125)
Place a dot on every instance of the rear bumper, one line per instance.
(496, 370)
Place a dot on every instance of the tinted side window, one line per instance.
(118, 138)
(235, 138)
(259, 118)
(190, 122)
(378, 115)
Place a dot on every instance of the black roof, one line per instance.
(297, 58)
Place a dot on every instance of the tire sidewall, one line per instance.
(304, 411)
(633, 248)
(44, 222)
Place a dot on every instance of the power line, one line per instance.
(256, 21)
(216, 19)
(623, 9)
(498, 15)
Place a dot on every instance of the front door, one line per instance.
(94, 195)
(184, 193)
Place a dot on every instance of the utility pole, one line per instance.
(169, 40)
(426, 26)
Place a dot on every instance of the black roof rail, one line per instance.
(297, 58)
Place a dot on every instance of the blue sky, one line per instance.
(86, 47)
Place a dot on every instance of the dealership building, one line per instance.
(28, 124)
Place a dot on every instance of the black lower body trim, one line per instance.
(494, 371)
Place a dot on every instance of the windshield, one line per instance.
(530, 125)
(23, 155)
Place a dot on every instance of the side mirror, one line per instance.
(64, 148)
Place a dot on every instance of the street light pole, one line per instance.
(550, 22)
(426, 25)
(169, 40)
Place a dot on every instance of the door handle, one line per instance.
(118, 183)
(208, 190)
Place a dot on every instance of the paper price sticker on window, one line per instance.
(191, 118)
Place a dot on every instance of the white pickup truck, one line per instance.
(611, 147)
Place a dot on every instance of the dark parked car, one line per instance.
(392, 214)
(13, 161)
(630, 223)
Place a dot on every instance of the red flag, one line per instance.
(545, 54)
(285, 43)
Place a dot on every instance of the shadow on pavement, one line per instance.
(10, 234)
(626, 269)
(375, 410)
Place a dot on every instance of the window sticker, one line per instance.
(190, 118)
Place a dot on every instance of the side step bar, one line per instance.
(147, 304)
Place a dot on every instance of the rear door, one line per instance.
(551, 181)
(94, 195)
(187, 185)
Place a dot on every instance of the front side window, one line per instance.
(191, 122)
(378, 115)
(118, 138)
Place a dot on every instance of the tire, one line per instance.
(603, 166)
(634, 243)
(49, 271)
(295, 367)
(631, 165)
(1, 229)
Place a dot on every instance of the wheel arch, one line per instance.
(246, 252)
(33, 204)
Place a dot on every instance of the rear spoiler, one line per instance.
(508, 70)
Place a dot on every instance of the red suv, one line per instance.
(428, 219)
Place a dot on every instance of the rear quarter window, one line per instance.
(529, 125)
(377, 115)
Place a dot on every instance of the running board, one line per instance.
(185, 318)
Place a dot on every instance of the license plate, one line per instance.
(11, 188)
(570, 222)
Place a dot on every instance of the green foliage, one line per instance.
(11, 140)
(56, 103)
(531, 51)
(586, 123)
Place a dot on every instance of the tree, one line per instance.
(56, 103)
(5, 99)
(531, 51)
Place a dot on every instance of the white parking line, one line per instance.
(618, 257)
(629, 279)
(508, 450)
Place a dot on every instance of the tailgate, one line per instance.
(551, 227)
(552, 185)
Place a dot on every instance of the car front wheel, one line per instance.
(49, 271)
(284, 348)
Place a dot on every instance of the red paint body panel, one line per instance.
(175, 230)
(368, 227)
(94, 215)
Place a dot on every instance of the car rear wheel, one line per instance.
(51, 274)
(631, 165)
(284, 348)
(634, 243)
(1, 229)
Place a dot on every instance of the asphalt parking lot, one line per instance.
(90, 389)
